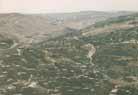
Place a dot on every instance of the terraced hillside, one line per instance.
(33, 28)
(98, 60)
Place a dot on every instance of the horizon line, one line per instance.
(44, 12)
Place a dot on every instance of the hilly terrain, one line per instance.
(28, 28)
(99, 59)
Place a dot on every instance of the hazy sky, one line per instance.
(66, 5)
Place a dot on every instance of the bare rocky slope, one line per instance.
(28, 28)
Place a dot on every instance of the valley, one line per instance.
(40, 58)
